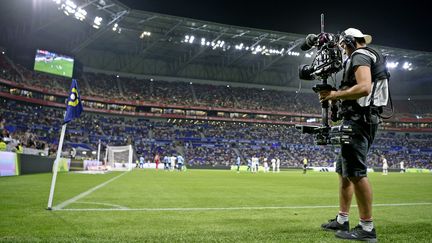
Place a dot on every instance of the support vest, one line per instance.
(379, 96)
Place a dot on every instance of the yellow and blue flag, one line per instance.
(74, 105)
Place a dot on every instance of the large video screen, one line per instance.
(53, 63)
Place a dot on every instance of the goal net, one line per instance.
(119, 157)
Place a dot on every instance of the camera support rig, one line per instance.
(327, 61)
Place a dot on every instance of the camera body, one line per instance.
(328, 135)
(327, 61)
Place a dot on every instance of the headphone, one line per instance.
(349, 41)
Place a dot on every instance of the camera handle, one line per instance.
(325, 104)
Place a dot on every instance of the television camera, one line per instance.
(327, 62)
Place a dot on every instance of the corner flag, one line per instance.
(73, 110)
(74, 105)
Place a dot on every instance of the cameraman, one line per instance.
(364, 89)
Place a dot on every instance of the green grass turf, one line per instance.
(23, 200)
(50, 67)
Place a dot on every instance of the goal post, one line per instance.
(119, 157)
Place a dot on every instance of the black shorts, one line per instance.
(352, 159)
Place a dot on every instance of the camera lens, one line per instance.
(305, 72)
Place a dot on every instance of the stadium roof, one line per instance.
(136, 41)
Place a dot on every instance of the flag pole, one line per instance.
(55, 167)
(99, 148)
(73, 110)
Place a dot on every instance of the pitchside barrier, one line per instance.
(22, 164)
(332, 169)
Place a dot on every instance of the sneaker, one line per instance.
(358, 233)
(333, 225)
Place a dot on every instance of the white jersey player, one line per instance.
(273, 165)
(385, 165)
(172, 160)
(278, 162)
(402, 167)
(266, 166)
(255, 164)
(141, 162)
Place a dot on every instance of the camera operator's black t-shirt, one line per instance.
(361, 59)
(358, 59)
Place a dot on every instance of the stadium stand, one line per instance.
(202, 142)
(209, 143)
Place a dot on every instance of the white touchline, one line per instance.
(236, 208)
(79, 196)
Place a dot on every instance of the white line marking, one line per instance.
(235, 208)
(78, 197)
(104, 204)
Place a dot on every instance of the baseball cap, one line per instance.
(358, 34)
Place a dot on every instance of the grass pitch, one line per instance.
(204, 206)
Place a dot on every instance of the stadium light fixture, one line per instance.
(407, 66)
(191, 39)
(68, 7)
(80, 14)
(97, 22)
(144, 34)
(186, 39)
(392, 65)
(263, 50)
(116, 28)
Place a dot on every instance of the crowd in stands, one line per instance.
(164, 92)
(7, 71)
(183, 93)
(202, 143)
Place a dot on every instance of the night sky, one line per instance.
(400, 24)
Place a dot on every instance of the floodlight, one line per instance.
(80, 14)
(97, 22)
(392, 65)
(406, 65)
(191, 39)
